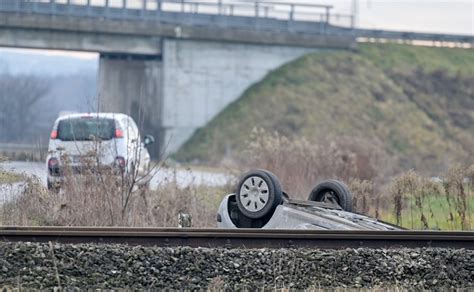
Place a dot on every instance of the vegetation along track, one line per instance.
(241, 238)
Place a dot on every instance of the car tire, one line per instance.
(332, 191)
(52, 187)
(258, 194)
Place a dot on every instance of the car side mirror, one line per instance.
(149, 139)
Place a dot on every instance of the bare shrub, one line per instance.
(88, 201)
(455, 189)
(364, 200)
(419, 202)
(406, 183)
(29, 207)
(301, 163)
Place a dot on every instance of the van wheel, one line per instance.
(258, 194)
(52, 187)
(332, 191)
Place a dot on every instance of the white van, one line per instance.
(109, 141)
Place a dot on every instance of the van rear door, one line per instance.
(88, 137)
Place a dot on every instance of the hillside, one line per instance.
(417, 101)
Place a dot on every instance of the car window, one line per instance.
(86, 129)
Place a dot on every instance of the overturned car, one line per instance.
(259, 202)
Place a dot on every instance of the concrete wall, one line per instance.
(193, 81)
(133, 86)
(79, 41)
(202, 78)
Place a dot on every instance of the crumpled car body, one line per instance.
(293, 214)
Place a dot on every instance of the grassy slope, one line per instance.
(417, 101)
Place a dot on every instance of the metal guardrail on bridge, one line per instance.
(251, 14)
(255, 14)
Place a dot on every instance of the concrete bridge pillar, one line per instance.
(132, 84)
(173, 94)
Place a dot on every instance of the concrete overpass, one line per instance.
(174, 64)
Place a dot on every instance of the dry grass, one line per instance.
(7, 177)
(409, 199)
(105, 199)
(301, 164)
(89, 201)
(422, 203)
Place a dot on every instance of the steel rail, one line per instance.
(240, 238)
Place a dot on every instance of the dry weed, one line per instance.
(434, 200)
(300, 163)
(88, 201)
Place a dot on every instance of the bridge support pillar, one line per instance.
(132, 85)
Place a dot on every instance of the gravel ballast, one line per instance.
(43, 265)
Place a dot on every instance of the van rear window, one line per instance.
(86, 129)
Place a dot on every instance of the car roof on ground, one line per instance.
(92, 115)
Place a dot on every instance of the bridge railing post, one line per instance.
(327, 15)
(219, 7)
(34, 7)
(69, 8)
(321, 24)
(88, 7)
(124, 7)
(106, 8)
(17, 6)
(158, 5)
(292, 12)
(144, 5)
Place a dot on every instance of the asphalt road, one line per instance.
(183, 177)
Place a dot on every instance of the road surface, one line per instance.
(184, 178)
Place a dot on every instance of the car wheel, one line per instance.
(332, 191)
(258, 194)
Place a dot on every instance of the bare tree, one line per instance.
(19, 94)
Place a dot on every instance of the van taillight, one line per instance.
(52, 162)
(118, 133)
(54, 134)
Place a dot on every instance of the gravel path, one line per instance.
(33, 265)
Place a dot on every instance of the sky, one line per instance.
(437, 16)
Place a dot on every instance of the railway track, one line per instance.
(239, 238)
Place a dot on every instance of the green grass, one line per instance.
(416, 101)
(406, 57)
(439, 214)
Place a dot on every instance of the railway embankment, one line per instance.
(47, 265)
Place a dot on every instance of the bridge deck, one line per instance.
(257, 16)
